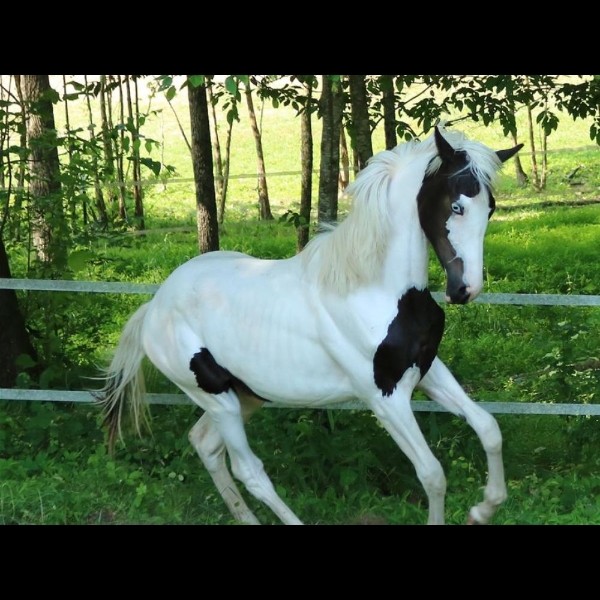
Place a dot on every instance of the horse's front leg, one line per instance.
(440, 385)
(396, 415)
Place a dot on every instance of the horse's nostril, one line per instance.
(460, 296)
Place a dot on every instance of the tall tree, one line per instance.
(100, 204)
(388, 103)
(49, 227)
(306, 160)
(222, 162)
(14, 337)
(522, 178)
(107, 142)
(263, 192)
(345, 161)
(70, 197)
(206, 206)
(133, 124)
(330, 110)
(120, 151)
(15, 225)
(361, 127)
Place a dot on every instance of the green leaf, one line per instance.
(171, 93)
(153, 165)
(24, 361)
(196, 80)
(52, 95)
(231, 85)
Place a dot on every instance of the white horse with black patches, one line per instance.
(349, 317)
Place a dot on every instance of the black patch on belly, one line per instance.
(413, 339)
(212, 377)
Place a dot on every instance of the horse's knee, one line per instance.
(490, 434)
(432, 478)
(208, 444)
(251, 473)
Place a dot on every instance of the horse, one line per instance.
(349, 317)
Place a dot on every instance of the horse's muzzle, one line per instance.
(460, 295)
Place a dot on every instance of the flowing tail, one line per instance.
(125, 380)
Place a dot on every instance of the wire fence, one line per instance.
(115, 287)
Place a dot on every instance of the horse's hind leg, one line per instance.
(226, 417)
(440, 385)
(210, 447)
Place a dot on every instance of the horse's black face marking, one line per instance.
(439, 197)
(435, 199)
(413, 339)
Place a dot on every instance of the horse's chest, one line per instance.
(412, 339)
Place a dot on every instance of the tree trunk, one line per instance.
(361, 127)
(388, 103)
(544, 175)
(206, 206)
(107, 143)
(330, 108)
(138, 201)
(70, 194)
(3, 135)
(49, 228)
(222, 163)
(344, 159)
(100, 204)
(306, 159)
(263, 193)
(14, 338)
(120, 152)
(534, 165)
(19, 193)
(226, 163)
(522, 178)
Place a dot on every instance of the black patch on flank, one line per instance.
(213, 378)
(413, 339)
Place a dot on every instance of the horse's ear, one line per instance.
(445, 150)
(504, 155)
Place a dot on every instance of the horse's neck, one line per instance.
(406, 262)
(407, 257)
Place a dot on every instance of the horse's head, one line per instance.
(455, 204)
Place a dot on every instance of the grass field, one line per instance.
(333, 467)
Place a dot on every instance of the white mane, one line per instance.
(351, 254)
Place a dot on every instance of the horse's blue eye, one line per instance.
(458, 208)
